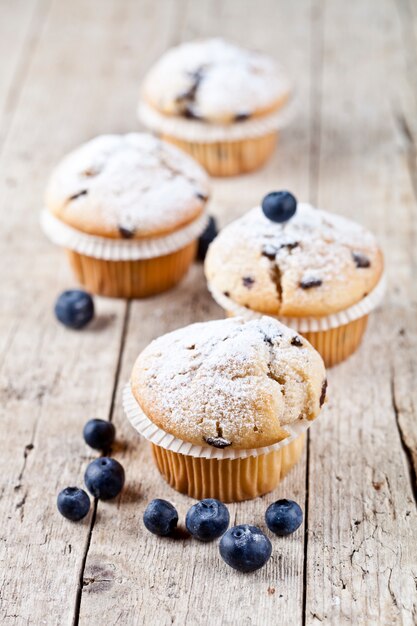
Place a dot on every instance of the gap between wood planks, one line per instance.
(81, 583)
(316, 75)
(407, 131)
(26, 54)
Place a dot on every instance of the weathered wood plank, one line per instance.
(20, 25)
(361, 552)
(131, 575)
(349, 149)
(52, 380)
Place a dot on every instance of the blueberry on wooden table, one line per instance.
(245, 548)
(74, 308)
(160, 517)
(208, 519)
(73, 503)
(283, 517)
(104, 478)
(279, 206)
(206, 238)
(99, 434)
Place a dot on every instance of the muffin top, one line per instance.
(215, 81)
(230, 382)
(127, 186)
(314, 264)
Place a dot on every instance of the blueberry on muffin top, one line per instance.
(312, 264)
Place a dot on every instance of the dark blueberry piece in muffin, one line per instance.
(245, 548)
(206, 238)
(74, 308)
(270, 252)
(126, 233)
(241, 117)
(73, 503)
(309, 283)
(296, 341)
(248, 281)
(279, 206)
(291, 245)
(361, 260)
(217, 442)
(283, 517)
(160, 517)
(207, 519)
(323, 392)
(83, 192)
(190, 114)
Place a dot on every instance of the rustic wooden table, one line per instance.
(71, 70)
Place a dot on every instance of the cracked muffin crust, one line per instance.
(127, 187)
(215, 81)
(230, 382)
(314, 264)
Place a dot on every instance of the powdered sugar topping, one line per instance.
(314, 264)
(215, 81)
(129, 186)
(229, 382)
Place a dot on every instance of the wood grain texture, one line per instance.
(361, 562)
(72, 70)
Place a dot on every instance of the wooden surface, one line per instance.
(70, 70)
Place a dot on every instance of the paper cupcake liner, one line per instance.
(309, 324)
(159, 437)
(193, 130)
(114, 249)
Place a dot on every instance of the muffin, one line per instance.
(219, 102)
(226, 405)
(128, 209)
(317, 272)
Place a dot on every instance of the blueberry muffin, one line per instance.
(316, 271)
(220, 102)
(129, 210)
(239, 393)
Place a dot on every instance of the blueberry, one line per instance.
(160, 517)
(279, 206)
(283, 517)
(74, 308)
(245, 548)
(99, 434)
(208, 519)
(206, 238)
(104, 478)
(73, 503)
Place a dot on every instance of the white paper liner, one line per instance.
(193, 130)
(310, 324)
(160, 438)
(119, 250)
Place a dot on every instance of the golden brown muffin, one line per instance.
(219, 102)
(127, 187)
(230, 383)
(315, 264)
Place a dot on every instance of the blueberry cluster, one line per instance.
(104, 477)
(245, 548)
